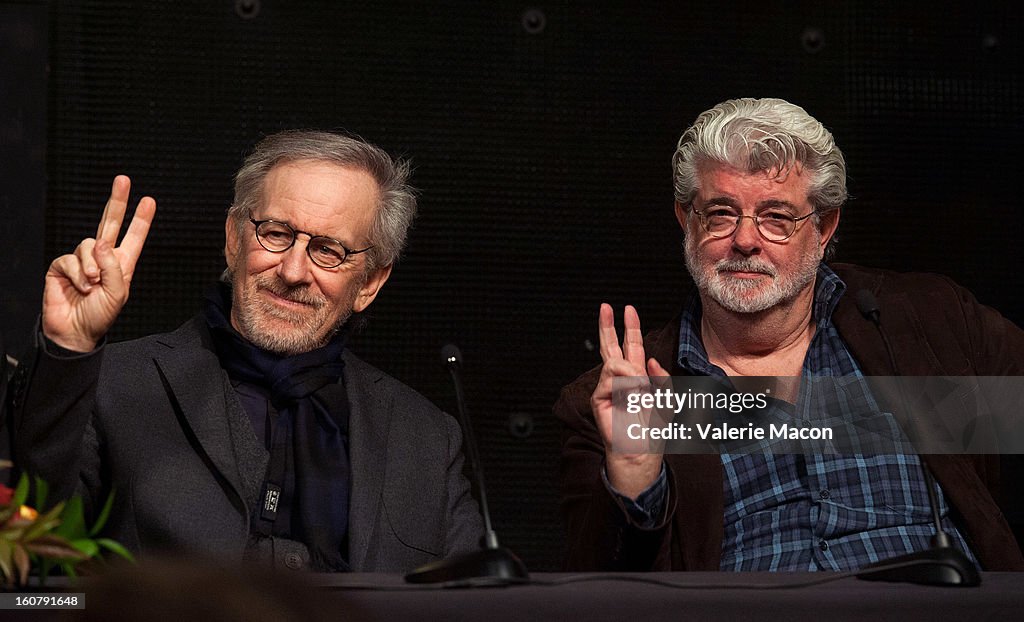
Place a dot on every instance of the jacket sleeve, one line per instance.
(51, 420)
(601, 535)
(465, 526)
(996, 345)
(973, 339)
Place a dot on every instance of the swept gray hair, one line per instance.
(397, 205)
(762, 135)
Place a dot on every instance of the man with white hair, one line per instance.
(759, 185)
(251, 432)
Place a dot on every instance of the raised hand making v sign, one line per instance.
(759, 186)
(317, 221)
(629, 473)
(86, 290)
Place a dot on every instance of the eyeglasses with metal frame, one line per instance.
(774, 224)
(277, 237)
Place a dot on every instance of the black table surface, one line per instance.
(591, 597)
(692, 596)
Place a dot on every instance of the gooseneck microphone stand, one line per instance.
(942, 563)
(492, 564)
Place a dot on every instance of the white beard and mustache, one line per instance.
(751, 295)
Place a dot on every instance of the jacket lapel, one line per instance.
(195, 386)
(903, 325)
(369, 420)
(698, 479)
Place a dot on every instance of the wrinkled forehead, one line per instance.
(319, 185)
(319, 196)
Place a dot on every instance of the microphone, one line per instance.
(942, 564)
(867, 304)
(493, 564)
(451, 356)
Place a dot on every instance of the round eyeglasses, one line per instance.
(277, 237)
(774, 224)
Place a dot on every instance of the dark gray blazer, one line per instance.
(156, 421)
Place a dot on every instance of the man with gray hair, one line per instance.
(251, 432)
(759, 185)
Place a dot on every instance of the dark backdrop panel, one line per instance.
(542, 154)
(23, 62)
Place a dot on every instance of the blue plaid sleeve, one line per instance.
(649, 507)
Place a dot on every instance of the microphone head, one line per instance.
(451, 356)
(867, 304)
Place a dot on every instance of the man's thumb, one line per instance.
(111, 277)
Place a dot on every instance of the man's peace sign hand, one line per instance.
(86, 290)
(628, 473)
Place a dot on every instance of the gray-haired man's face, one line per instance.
(283, 302)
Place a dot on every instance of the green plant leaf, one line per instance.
(42, 492)
(72, 520)
(21, 492)
(54, 547)
(22, 563)
(112, 545)
(86, 546)
(13, 534)
(68, 568)
(6, 561)
(57, 538)
(104, 515)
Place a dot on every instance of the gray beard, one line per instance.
(303, 334)
(734, 294)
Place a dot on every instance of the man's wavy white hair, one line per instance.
(762, 135)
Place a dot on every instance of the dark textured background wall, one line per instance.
(541, 142)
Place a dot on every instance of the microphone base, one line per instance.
(935, 566)
(484, 567)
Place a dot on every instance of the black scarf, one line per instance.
(309, 454)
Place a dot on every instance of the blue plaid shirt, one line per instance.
(815, 511)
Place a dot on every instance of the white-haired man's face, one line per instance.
(744, 272)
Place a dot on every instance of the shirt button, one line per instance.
(293, 561)
(824, 494)
(823, 545)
